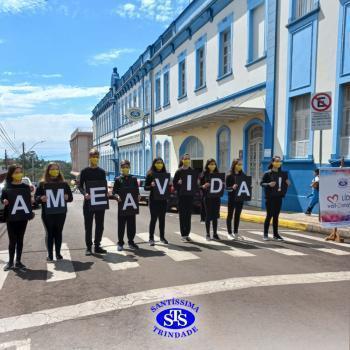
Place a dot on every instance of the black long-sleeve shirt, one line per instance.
(90, 174)
(4, 194)
(203, 179)
(231, 179)
(269, 176)
(125, 182)
(148, 187)
(40, 191)
(178, 176)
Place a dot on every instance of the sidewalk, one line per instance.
(2, 229)
(294, 221)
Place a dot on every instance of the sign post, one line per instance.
(321, 114)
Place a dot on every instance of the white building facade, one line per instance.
(234, 78)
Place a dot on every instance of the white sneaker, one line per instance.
(238, 236)
(183, 239)
(266, 238)
(230, 236)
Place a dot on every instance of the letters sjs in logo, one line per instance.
(176, 318)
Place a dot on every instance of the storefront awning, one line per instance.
(221, 113)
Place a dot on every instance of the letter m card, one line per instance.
(55, 203)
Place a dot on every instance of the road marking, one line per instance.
(117, 260)
(227, 249)
(177, 254)
(63, 269)
(283, 251)
(323, 250)
(4, 256)
(318, 239)
(101, 306)
(17, 345)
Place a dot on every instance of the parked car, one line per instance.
(110, 185)
(144, 195)
(27, 181)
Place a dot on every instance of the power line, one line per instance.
(5, 137)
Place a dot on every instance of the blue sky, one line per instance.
(56, 58)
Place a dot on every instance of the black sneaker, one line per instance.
(216, 237)
(88, 252)
(208, 237)
(188, 239)
(20, 266)
(151, 242)
(164, 241)
(278, 238)
(120, 248)
(8, 266)
(49, 259)
(133, 246)
(308, 213)
(59, 257)
(99, 250)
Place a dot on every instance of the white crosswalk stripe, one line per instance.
(177, 254)
(283, 251)
(323, 250)
(117, 260)
(16, 345)
(232, 251)
(62, 269)
(3, 261)
(315, 238)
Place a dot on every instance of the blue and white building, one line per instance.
(234, 78)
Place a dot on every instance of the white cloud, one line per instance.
(17, 6)
(55, 129)
(106, 57)
(159, 10)
(48, 76)
(32, 75)
(23, 98)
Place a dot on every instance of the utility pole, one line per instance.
(6, 162)
(23, 158)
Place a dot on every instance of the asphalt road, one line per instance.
(250, 294)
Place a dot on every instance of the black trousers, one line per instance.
(99, 225)
(53, 226)
(273, 209)
(215, 226)
(16, 230)
(130, 223)
(236, 208)
(185, 214)
(158, 212)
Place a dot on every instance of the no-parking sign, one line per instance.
(321, 111)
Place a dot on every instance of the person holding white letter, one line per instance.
(15, 229)
(157, 207)
(123, 182)
(92, 173)
(185, 201)
(53, 223)
(212, 205)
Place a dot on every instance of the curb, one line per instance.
(291, 224)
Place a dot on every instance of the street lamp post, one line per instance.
(23, 156)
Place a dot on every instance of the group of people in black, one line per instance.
(54, 223)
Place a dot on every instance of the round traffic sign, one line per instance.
(321, 102)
